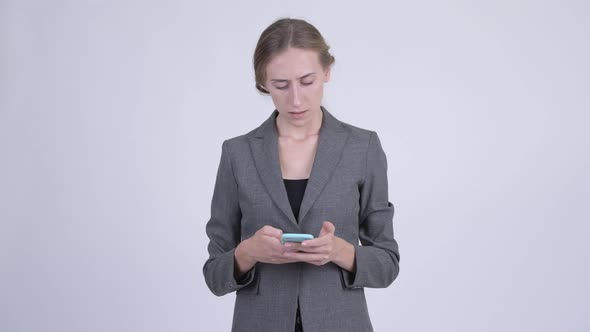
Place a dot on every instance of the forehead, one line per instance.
(293, 63)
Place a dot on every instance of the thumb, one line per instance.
(272, 232)
(327, 227)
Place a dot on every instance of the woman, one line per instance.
(301, 171)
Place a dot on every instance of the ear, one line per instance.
(327, 74)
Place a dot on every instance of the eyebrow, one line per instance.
(280, 80)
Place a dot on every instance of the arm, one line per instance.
(376, 262)
(223, 230)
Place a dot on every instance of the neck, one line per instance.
(299, 132)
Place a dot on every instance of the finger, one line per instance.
(317, 242)
(279, 256)
(319, 250)
(294, 247)
(281, 260)
(327, 227)
(307, 257)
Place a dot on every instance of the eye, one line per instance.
(307, 83)
(281, 87)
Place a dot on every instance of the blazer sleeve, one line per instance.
(224, 231)
(377, 260)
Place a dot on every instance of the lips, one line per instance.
(298, 112)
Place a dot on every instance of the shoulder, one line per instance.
(358, 133)
(366, 140)
(360, 139)
(236, 143)
(238, 147)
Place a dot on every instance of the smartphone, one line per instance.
(295, 237)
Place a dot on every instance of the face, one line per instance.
(295, 79)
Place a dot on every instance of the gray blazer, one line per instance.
(347, 186)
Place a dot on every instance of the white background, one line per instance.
(112, 115)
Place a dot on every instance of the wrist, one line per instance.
(243, 257)
(339, 245)
(345, 254)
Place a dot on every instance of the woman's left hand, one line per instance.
(324, 249)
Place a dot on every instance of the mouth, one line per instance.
(296, 113)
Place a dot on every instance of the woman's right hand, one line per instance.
(264, 246)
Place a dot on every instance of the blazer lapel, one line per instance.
(265, 151)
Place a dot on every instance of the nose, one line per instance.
(296, 95)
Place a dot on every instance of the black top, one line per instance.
(295, 191)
